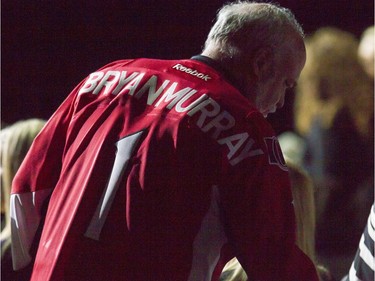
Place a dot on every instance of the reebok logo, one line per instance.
(193, 72)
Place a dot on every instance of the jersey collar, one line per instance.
(217, 66)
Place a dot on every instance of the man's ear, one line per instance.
(262, 62)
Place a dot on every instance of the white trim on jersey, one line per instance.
(25, 215)
(208, 242)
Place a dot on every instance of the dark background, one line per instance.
(47, 47)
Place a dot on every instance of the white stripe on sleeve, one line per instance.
(25, 216)
(208, 242)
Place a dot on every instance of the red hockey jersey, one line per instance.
(156, 170)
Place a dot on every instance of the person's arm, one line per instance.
(259, 217)
(40, 172)
(35, 181)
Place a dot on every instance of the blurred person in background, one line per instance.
(363, 265)
(366, 50)
(15, 141)
(334, 114)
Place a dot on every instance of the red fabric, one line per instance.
(192, 131)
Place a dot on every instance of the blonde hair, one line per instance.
(333, 79)
(233, 271)
(304, 208)
(16, 140)
(366, 50)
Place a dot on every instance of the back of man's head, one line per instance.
(242, 27)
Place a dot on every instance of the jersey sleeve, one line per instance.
(35, 181)
(259, 214)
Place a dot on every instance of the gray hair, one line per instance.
(244, 26)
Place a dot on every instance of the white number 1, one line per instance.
(125, 149)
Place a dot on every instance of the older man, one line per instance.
(166, 169)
